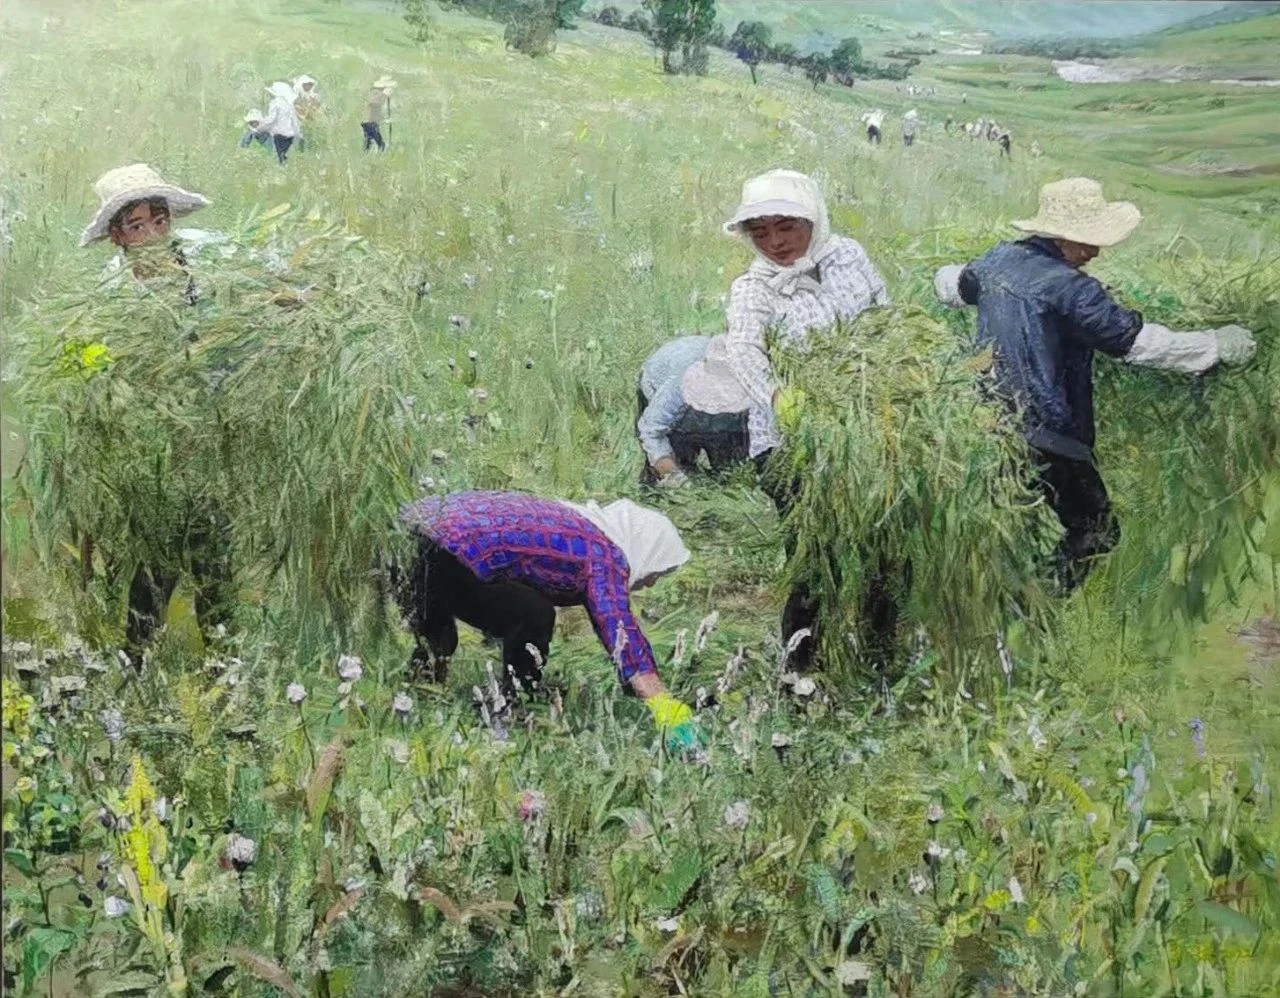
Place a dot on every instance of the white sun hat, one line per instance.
(302, 81)
(709, 385)
(1075, 209)
(649, 539)
(778, 192)
(136, 182)
(282, 89)
(384, 83)
(253, 115)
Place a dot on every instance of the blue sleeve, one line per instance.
(655, 423)
(1095, 319)
(608, 603)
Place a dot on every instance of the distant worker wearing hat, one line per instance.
(910, 121)
(135, 212)
(307, 97)
(378, 110)
(282, 119)
(253, 130)
(1043, 318)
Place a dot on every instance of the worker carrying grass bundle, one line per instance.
(1044, 318)
(803, 278)
(502, 562)
(378, 108)
(307, 102)
(282, 119)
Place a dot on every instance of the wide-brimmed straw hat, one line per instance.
(137, 182)
(384, 83)
(710, 386)
(253, 115)
(302, 81)
(282, 89)
(1075, 209)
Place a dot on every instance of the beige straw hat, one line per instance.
(137, 182)
(710, 386)
(302, 81)
(384, 83)
(253, 115)
(1075, 209)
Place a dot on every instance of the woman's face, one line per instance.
(781, 238)
(140, 224)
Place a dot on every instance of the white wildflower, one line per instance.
(472, 356)
(677, 656)
(918, 883)
(1015, 891)
(460, 322)
(161, 809)
(737, 814)
(115, 907)
(439, 456)
(936, 851)
(349, 668)
(296, 692)
(113, 723)
(469, 281)
(398, 750)
(779, 740)
(805, 687)
(668, 924)
(402, 704)
(705, 627)
(240, 851)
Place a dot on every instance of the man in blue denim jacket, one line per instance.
(1043, 319)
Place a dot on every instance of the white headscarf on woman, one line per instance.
(792, 195)
(648, 539)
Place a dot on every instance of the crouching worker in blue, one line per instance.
(1043, 319)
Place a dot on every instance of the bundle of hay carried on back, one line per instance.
(278, 407)
(906, 472)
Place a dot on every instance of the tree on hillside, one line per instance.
(751, 42)
(567, 13)
(419, 20)
(684, 26)
(846, 59)
(785, 54)
(638, 22)
(817, 67)
(610, 17)
(531, 26)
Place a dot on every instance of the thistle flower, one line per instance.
(736, 815)
(528, 363)
(472, 356)
(349, 668)
(240, 851)
(460, 323)
(532, 804)
(402, 704)
(296, 693)
(706, 626)
(115, 907)
(918, 883)
(933, 814)
(113, 724)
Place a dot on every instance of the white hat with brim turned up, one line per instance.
(1075, 209)
(282, 89)
(137, 182)
(384, 83)
(709, 385)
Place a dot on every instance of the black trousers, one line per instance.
(723, 449)
(873, 134)
(372, 135)
(1077, 494)
(282, 143)
(440, 591)
(878, 606)
(908, 139)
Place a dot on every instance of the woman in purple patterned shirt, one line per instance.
(503, 561)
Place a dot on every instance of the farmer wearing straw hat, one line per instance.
(379, 109)
(307, 103)
(803, 278)
(253, 130)
(672, 432)
(502, 562)
(909, 122)
(282, 119)
(135, 212)
(874, 120)
(1044, 319)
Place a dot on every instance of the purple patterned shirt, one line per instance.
(542, 542)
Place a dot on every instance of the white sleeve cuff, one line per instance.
(1160, 347)
(946, 285)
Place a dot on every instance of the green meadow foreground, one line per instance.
(1091, 812)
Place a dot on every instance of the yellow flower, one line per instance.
(94, 357)
(26, 788)
(19, 710)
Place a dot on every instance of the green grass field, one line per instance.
(1089, 840)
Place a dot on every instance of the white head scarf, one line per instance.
(793, 195)
(648, 539)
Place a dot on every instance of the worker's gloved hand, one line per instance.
(946, 285)
(788, 408)
(673, 480)
(1236, 345)
(675, 720)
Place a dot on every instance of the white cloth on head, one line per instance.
(650, 541)
(789, 194)
(873, 119)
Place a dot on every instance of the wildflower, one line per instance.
(161, 809)
(469, 281)
(779, 740)
(460, 323)
(472, 356)
(736, 815)
(398, 750)
(705, 627)
(511, 239)
(933, 814)
(26, 788)
(1197, 737)
(918, 883)
(528, 363)
(668, 924)
(113, 724)
(543, 294)
(296, 693)
(589, 905)
(804, 687)
(240, 851)
(1091, 817)
(936, 852)
(532, 804)
(1015, 891)
(349, 668)
(115, 907)
(402, 705)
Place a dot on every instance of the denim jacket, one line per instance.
(1043, 319)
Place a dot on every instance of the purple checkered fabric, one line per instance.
(547, 545)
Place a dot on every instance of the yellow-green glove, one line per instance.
(790, 405)
(675, 720)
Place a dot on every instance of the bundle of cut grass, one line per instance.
(273, 422)
(906, 473)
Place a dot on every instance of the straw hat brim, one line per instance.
(385, 83)
(1106, 225)
(710, 385)
(180, 201)
(765, 209)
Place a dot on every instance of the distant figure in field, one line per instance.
(1005, 141)
(946, 125)
(909, 122)
(282, 119)
(1043, 319)
(307, 103)
(874, 120)
(253, 130)
(379, 109)
(502, 562)
(1036, 151)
